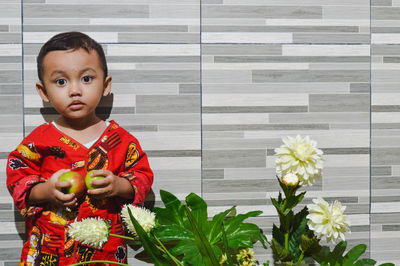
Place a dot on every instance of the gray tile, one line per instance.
(213, 174)
(10, 59)
(9, 254)
(381, 2)
(318, 117)
(106, 28)
(234, 158)
(339, 102)
(385, 156)
(384, 49)
(384, 13)
(385, 29)
(310, 76)
(266, 127)
(174, 153)
(248, 185)
(254, 109)
(90, 11)
(10, 104)
(331, 38)
(168, 104)
(375, 199)
(385, 126)
(10, 76)
(360, 87)
(291, 59)
(238, 49)
(159, 37)
(391, 227)
(257, 28)
(242, 11)
(14, 89)
(385, 108)
(156, 76)
(381, 170)
(189, 88)
(385, 182)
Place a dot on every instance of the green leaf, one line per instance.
(309, 245)
(278, 235)
(226, 247)
(148, 246)
(173, 213)
(244, 235)
(215, 232)
(354, 254)
(204, 246)
(365, 262)
(295, 239)
(232, 223)
(322, 257)
(172, 232)
(337, 253)
(199, 211)
(282, 253)
(387, 264)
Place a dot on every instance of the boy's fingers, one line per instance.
(62, 184)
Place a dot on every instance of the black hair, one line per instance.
(67, 41)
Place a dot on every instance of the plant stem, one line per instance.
(99, 261)
(287, 240)
(300, 259)
(165, 250)
(124, 237)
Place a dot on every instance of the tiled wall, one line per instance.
(210, 104)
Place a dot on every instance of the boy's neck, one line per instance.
(78, 124)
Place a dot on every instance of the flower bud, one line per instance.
(290, 179)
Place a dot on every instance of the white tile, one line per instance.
(246, 37)
(227, 119)
(145, 21)
(10, 49)
(12, 227)
(385, 207)
(159, 163)
(382, 38)
(153, 50)
(42, 37)
(326, 50)
(393, 117)
(255, 99)
(274, 66)
(317, 22)
(386, 98)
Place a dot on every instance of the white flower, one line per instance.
(327, 221)
(299, 156)
(90, 231)
(290, 179)
(145, 218)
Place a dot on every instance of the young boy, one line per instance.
(73, 77)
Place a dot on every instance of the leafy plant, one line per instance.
(200, 241)
(337, 257)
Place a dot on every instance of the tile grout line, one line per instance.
(201, 102)
(370, 128)
(22, 66)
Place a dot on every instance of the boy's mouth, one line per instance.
(76, 105)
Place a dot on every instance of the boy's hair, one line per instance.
(70, 40)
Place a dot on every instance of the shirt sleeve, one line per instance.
(23, 172)
(137, 171)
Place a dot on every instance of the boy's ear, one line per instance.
(42, 91)
(107, 85)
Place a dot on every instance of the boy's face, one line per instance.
(73, 81)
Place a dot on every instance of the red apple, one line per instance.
(77, 184)
(90, 178)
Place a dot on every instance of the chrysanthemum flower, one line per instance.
(90, 231)
(290, 179)
(327, 221)
(223, 259)
(299, 156)
(145, 218)
(246, 257)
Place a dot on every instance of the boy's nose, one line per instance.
(75, 89)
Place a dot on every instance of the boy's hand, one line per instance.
(50, 192)
(110, 186)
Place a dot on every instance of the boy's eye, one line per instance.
(87, 78)
(61, 82)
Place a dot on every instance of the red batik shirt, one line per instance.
(47, 150)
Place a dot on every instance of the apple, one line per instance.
(90, 178)
(77, 184)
